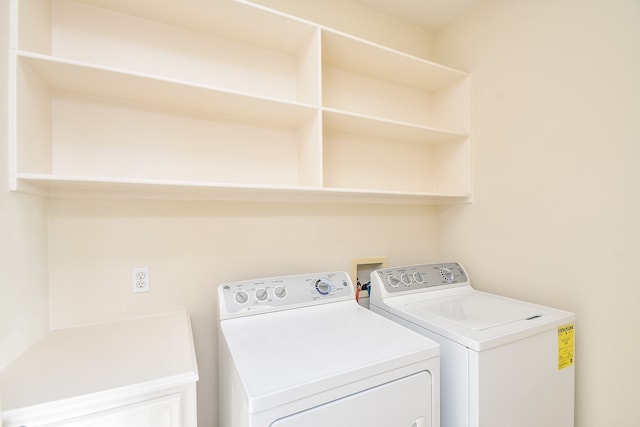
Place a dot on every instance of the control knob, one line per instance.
(261, 294)
(280, 292)
(447, 274)
(393, 281)
(406, 279)
(323, 286)
(242, 297)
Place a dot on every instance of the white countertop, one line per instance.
(137, 354)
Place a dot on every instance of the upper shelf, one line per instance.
(361, 57)
(234, 19)
(88, 187)
(137, 88)
(363, 125)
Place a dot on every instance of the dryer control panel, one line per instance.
(395, 280)
(282, 293)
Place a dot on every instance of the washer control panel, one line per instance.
(415, 277)
(285, 292)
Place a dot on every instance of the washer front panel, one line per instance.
(397, 280)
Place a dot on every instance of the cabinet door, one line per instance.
(161, 412)
(406, 402)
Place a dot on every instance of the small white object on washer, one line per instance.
(504, 362)
(299, 351)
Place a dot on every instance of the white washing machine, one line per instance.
(504, 362)
(299, 351)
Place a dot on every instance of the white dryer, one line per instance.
(504, 362)
(298, 351)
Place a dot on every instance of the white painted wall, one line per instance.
(77, 256)
(24, 303)
(360, 21)
(556, 140)
(556, 100)
(191, 248)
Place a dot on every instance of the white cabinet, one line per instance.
(135, 373)
(225, 99)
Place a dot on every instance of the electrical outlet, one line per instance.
(140, 279)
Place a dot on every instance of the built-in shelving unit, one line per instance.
(225, 99)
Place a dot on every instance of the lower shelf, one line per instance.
(66, 186)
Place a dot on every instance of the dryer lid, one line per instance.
(476, 310)
(287, 355)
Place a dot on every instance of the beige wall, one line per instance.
(355, 19)
(190, 248)
(77, 256)
(24, 304)
(556, 134)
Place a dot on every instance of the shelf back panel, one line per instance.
(107, 139)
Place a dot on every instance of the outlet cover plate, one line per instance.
(140, 280)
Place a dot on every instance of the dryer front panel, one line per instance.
(406, 402)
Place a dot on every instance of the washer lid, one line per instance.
(476, 311)
(476, 319)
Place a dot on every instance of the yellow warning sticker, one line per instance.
(565, 346)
